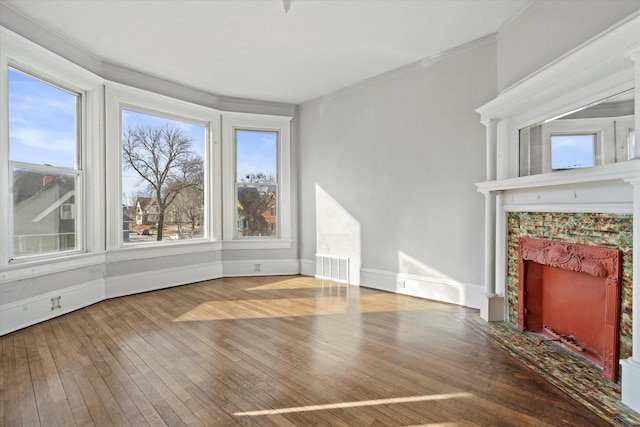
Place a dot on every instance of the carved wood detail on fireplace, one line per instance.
(571, 293)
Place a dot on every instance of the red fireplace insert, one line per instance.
(571, 294)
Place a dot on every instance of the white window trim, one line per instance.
(119, 97)
(257, 122)
(26, 56)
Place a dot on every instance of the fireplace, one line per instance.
(570, 293)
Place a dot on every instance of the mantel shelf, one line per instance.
(627, 171)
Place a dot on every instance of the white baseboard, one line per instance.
(468, 295)
(20, 314)
(260, 267)
(307, 267)
(128, 284)
(27, 312)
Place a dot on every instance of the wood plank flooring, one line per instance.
(269, 351)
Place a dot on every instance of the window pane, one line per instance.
(42, 122)
(256, 156)
(257, 210)
(256, 176)
(572, 151)
(162, 178)
(44, 212)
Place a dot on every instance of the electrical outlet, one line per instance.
(400, 284)
(55, 303)
(256, 267)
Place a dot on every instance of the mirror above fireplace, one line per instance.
(596, 134)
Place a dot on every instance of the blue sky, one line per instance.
(197, 133)
(42, 130)
(256, 152)
(571, 151)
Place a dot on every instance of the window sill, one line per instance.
(138, 251)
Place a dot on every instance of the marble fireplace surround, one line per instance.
(603, 66)
(570, 293)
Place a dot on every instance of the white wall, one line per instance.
(548, 29)
(400, 153)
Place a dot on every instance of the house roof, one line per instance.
(46, 199)
(143, 202)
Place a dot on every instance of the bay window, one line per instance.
(157, 172)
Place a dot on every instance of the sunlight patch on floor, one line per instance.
(292, 307)
(294, 284)
(341, 405)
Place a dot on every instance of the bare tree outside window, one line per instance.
(257, 205)
(163, 158)
(188, 205)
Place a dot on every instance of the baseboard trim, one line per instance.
(307, 267)
(33, 310)
(449, 291)
(129, 284)
(29, 311)
(260, 267)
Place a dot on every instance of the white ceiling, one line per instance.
(253, 49)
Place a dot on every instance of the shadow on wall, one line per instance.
(337, 233)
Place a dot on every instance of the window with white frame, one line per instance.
(49, 154)
(160, 150)
(257, 180)
(45, 167)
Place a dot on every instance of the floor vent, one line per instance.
(333, 268)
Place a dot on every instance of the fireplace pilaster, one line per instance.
(631, 366)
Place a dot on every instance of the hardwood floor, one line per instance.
(270, 351)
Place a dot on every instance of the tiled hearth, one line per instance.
(572, 374)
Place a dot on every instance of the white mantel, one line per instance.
(603, 66)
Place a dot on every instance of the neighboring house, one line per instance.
(127, 221)
(128, 217)
(45, 222)
(147, 211)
